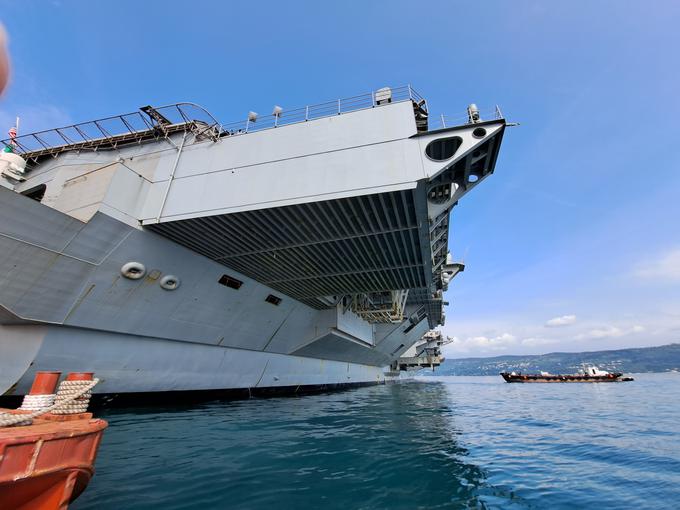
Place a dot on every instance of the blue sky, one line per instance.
(573, 244)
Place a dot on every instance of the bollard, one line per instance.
(80, 376)
(42, 392)
(44, 383)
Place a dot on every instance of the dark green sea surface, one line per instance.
(438, 442)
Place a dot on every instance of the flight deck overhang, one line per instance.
(358, 153)
(349, 238)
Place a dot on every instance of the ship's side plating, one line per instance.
(310, 254)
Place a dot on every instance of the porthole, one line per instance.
(473, 178)
(443, 148)
(479, 132)
(169, 282)
(133, 270)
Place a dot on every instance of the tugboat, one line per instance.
(590, 374)
(48, 446)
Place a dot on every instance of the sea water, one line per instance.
(436, 442)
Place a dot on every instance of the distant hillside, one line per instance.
(645, 359)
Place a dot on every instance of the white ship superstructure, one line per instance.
(425, 353)
(168, 252)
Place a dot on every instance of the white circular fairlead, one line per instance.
(133, 270)
(169, 282)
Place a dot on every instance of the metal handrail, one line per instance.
(110, 131)
(321, 110)
(140, 126)
(445, 121)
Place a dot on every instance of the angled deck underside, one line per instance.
(316, 250)
(319, 251)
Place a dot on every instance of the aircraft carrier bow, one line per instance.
(169, 252)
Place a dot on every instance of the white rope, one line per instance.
(8, 420)
(70, 398)
(75, 391)
(37, 402)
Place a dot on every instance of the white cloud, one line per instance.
(488, 338)
(564, 320)
(664, 268)
(484, 343)
(534, 341)
(609, 332)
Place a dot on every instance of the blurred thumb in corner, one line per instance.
(4, 59)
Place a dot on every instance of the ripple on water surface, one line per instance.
(440, 442)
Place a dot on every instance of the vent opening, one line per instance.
(230, 282)
(36, 193)
(395, 351)
(271, 298)
(443, 148)
(410, 327)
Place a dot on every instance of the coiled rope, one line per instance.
(72, 397)
(37, 402)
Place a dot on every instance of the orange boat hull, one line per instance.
(46, 465)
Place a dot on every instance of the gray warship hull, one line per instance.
(189, 256)
(115, 326)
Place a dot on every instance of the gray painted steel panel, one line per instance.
(129, 363)
(341, 347)
(95, 242)
(36, 224)
(19, 346)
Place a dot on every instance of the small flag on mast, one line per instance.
(13, 133)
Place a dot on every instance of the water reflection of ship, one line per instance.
(424, 415)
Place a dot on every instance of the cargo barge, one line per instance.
(589, 374)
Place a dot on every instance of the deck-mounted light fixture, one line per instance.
(276, 112)
(252, 117)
